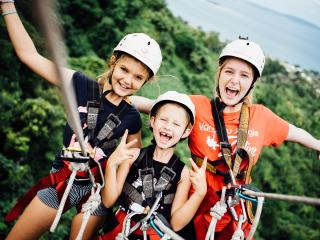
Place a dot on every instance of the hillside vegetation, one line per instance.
(32, 118)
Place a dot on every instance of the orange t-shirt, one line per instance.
(265, 129)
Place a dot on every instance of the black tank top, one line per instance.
(133, 185)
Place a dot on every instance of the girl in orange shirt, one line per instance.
(241, 64)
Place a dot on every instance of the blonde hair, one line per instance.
(222, 63)
(106, 76)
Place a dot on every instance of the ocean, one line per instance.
(285, 34)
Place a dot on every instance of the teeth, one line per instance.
(165, 134)
(123, 85)
(233, 89)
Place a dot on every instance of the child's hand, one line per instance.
(124, 152)
(198, 177)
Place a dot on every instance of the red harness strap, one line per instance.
(120, 216)
(53, 179)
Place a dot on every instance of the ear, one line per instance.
(152, 119)
(187, 132)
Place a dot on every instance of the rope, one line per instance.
(238, 234)
(88, 208)
(166, 229)
(217, 211)
(256, 218)
(74, 167)
(284, 197)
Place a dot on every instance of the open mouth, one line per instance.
(124, 86)
(165, 137)
(232, 92)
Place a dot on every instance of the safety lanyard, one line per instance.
(226, 149)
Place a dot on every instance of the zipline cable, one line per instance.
(52, 33)
(284, 197)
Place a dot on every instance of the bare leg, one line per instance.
(35, 220)
(92, 228)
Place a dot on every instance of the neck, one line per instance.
(162, 155)
(114, 98)
(231, 109)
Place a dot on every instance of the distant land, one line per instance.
(283, 34)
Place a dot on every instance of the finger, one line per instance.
(193, 164)
(124, 137)
(204, 163)
(131, 143)
(132, 152)
(191, 173)
(135, 155)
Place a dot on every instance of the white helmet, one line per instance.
(246, 50)
(143, 48)
(175, 97)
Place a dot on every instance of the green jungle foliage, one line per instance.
(32, 118)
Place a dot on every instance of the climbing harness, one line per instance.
(80, 163)
(146, 192)
(230, 196)
(220, 208)
(151, 220)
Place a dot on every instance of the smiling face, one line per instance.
(170, 124)
(128, 76)
(235, 79)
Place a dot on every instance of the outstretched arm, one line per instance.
(301, 136)
(143, 104)
(25, 49)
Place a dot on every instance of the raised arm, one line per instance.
(117, 169)
(143, 104)
(25, 48)
(184, 208)
(301, 136)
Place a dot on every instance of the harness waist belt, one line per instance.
(211, 168)
(50, 180)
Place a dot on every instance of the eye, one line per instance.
(177, 124)
(163, 119)
(124, 69)
(244, 75)
(228, 71)
(139, 78)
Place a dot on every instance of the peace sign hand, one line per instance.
(198, 177)
(124, 152)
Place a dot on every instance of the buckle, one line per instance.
(224, 145)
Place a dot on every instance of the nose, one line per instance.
(128, 80)
(168, 126)
(235, 78)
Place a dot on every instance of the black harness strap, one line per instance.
(149, 188)
(93, 106)
(226, 149)
(113, 121)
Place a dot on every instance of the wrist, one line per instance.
(7, 7)
(111, 163)
(201, 194)
(6, 1)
